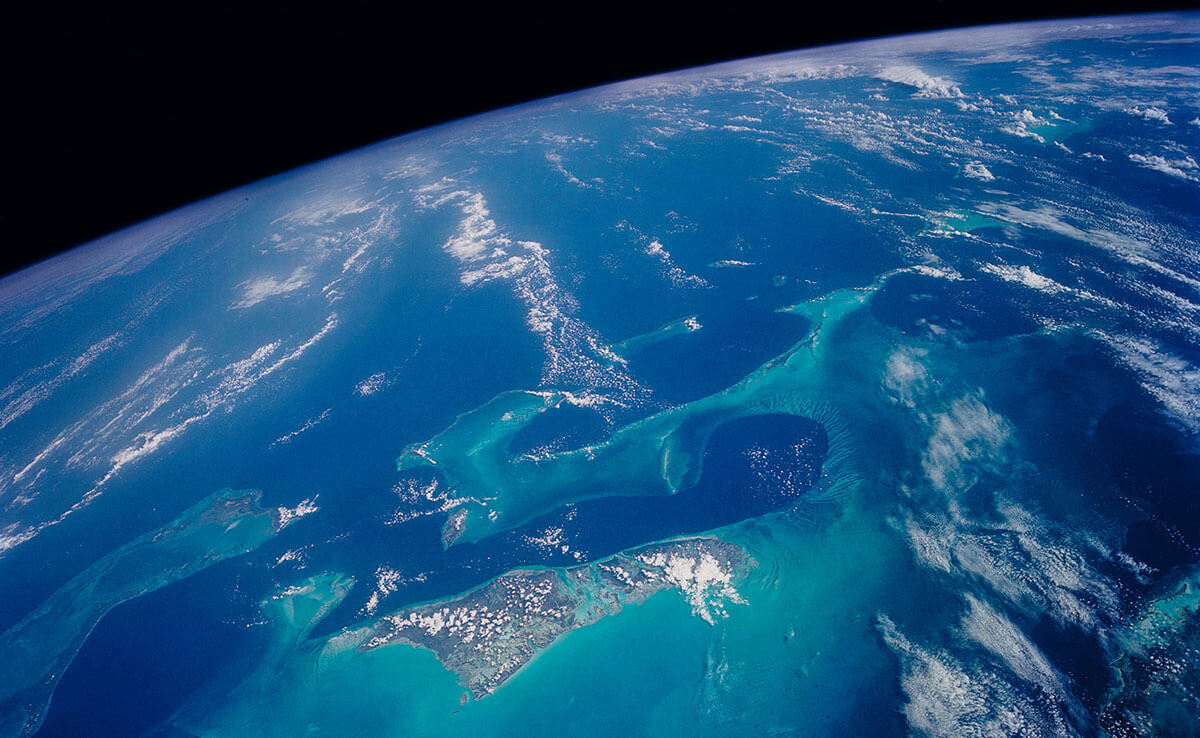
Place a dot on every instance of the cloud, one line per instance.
(486, 253)
(976, 170)
(163, 404)
(255, 291)
(673, 271)
(1129, 249)
(1171, 167)
(986, 626)
(1020, 126)
(967, 437)
(1026, 276)
(905, 377)
(1033, 564)
(373, 384)
(48, 288)
(323, 211)
(950, 695)
(31, 396)
(556, 161)
(1150, 113)
(1170, 379)
(926, 85)
(287, 437)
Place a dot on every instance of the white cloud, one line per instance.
(326, 210)
(486, 253)
(289, 514)
(905, 376)
(1034, 565)
(556, 160)
(31, 396)
(287, 437)
(950, 696)
(1178, 168)
(993, 631)
(976, 170)
(673, 271)
(48, 288)
(1026, 276)
(926, 85)
(1129, 249)
(255, 291)
(1150, 113)
(371, 385)
(1023, 275)
(1170, 379)
(966, 438)
(235, 380)
(1020, 126)
(172, 396)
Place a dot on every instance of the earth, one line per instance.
(852, 391)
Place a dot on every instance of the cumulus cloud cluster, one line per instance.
(255, 291)
(1150, 113)
(925, 84)
(976, 170)
(1179, 168)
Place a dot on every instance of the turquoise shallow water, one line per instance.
(848, 392)
(40, 647)
(809, 627)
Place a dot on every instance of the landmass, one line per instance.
(487, 635)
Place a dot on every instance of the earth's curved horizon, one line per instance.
(848, 391)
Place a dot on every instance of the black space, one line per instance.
(111, 116)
